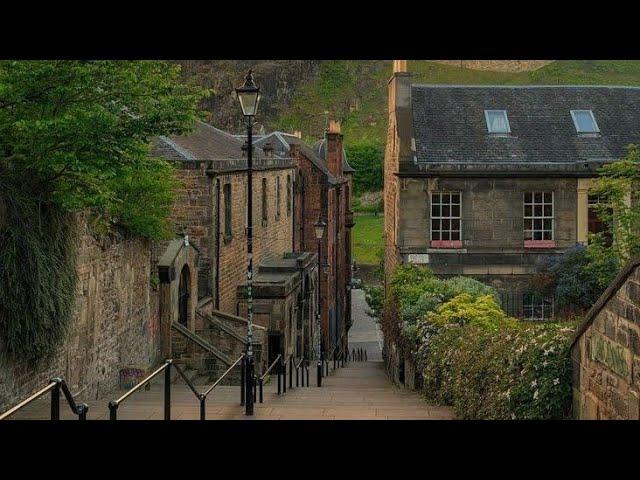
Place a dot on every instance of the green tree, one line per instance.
(366, 157)
(76, 136)
(617, 186)
(78, 133)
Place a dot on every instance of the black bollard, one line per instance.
(319, 373)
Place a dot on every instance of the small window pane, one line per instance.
(455, 235)
(528, 197)
(446, 211)
(455, 210)
(435, 210)
(548, 196)
(455, 198)
(445, 235)
(537, 210)
(537, 197)
(528, 209)
(584, 121)
(497, 121)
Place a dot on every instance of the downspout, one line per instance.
(217, 234)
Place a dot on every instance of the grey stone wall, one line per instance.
(492, 226)
(606, 354)
(115, 325)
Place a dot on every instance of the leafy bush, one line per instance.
(366, 156)
(374, 296)
(476, 358)
(521, 372)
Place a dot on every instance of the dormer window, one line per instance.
(584, 121)
(497, 121)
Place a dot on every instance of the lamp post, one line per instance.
(319, 230)
(249, 96)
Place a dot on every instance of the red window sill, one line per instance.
(539, 244)
(446, 243)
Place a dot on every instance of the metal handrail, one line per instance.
(166, 367)
(222, 376)
(55, 385)
(271, 366)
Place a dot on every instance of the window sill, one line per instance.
(446, 243)
(539, 244)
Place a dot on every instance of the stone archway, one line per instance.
(178, 272)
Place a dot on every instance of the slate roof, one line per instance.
(320, 148)
(449, 124)
(208, 143)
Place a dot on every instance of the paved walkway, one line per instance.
(360, 390)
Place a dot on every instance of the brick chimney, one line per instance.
(333, 150)
(400, 118)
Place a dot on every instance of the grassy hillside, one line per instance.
(356, 91)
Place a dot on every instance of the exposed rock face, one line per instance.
(277, 82)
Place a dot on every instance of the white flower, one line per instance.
(545, 363)
(534, 383)
(535, 395)
(556, 381)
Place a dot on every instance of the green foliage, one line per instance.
(74, 129)
(367, 239)
(511, 371)
(75, 135)
(37, 278)
(374, 295)
(464, 309)
(618, 186)
(476, 358)
(366, 157)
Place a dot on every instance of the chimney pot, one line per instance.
(399, 66)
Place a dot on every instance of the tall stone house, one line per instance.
(487, 181)
(322, 191)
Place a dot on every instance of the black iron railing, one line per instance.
(55, 386)
(166, 368)
(275, 363)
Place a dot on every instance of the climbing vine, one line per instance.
(38, 275)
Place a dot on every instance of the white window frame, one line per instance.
(506, 119)
(545, 303)
(543, 217)
(575, 121)
(440, 217)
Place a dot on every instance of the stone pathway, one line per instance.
(359, 391)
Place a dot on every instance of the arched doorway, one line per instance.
(183, 296)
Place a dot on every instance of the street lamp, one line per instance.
(249, 96)
(320, 227)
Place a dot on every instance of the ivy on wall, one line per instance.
(38, 275)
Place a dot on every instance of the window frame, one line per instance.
(440, 243)
(228, 226)
(537, 301)
(278, 199)
(575, 121)
(289, 195)
(506, 118)
(265, 206)
(542, 242)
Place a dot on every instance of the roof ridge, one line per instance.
(230, 135)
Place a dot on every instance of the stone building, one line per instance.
(322, 190)
(486, 181)
(605, 354)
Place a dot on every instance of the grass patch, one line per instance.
(367, 239)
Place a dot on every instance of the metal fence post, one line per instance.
(319, 373)
(55, 399)
(260, 386)
(284, 375)
(203, 399)
(113, 411)
(290, 372)
(167, 392)
(242, 380)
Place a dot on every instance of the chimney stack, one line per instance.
(399, 66)
(333, 148)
